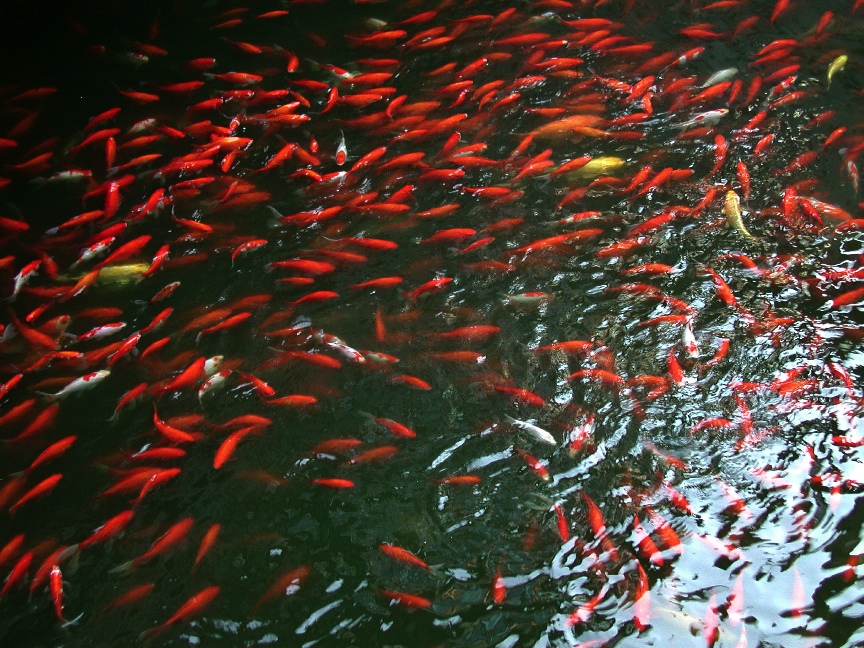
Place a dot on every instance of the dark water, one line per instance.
(742, 472)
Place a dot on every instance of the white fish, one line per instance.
(539, 433)
(720, 77)
(852, 171)
(688, 339)
(530, 298)
(705, 119)
(143, 126)
(78, 385)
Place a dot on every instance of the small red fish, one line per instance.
(402, 555)
(192, 607)
(499, 589)
(56, 587)
(430, 286)
(407, 600)
(40, 490)
(207, 543)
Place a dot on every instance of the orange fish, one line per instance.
(407, 600)
(402, 555)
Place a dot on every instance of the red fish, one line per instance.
(52, 452)
(598, 525)
(185, 379)
(430, 286)
(227, 447)
(129, 597)
(402, 555)
(459, 480)
(164, 543)
(171, 433)
(16, 576)
(192, 607)
(407, 600)
(395, 428)
(477, 333)
(286, 585)
(40, 490)
(207, 543)
(108, 530)
(333, 483)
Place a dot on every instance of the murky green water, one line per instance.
(702, 487)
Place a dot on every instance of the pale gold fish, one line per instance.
(732, 211)
(120, 275)
(596, 167)
(114, 275)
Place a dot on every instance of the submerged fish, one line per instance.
(720, 76)
(114, 276)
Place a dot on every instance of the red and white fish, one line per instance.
(78, 385)
(341, 151)
(213, 383)
(26, 273)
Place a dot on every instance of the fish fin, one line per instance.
(125, 568)
(70, 622)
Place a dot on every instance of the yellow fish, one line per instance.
(836, 65)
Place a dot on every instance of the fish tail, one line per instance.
(152, 632)
(437, 571)
(277, 217)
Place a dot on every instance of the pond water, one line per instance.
(539, 324)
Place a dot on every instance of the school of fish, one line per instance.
(569, 314)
